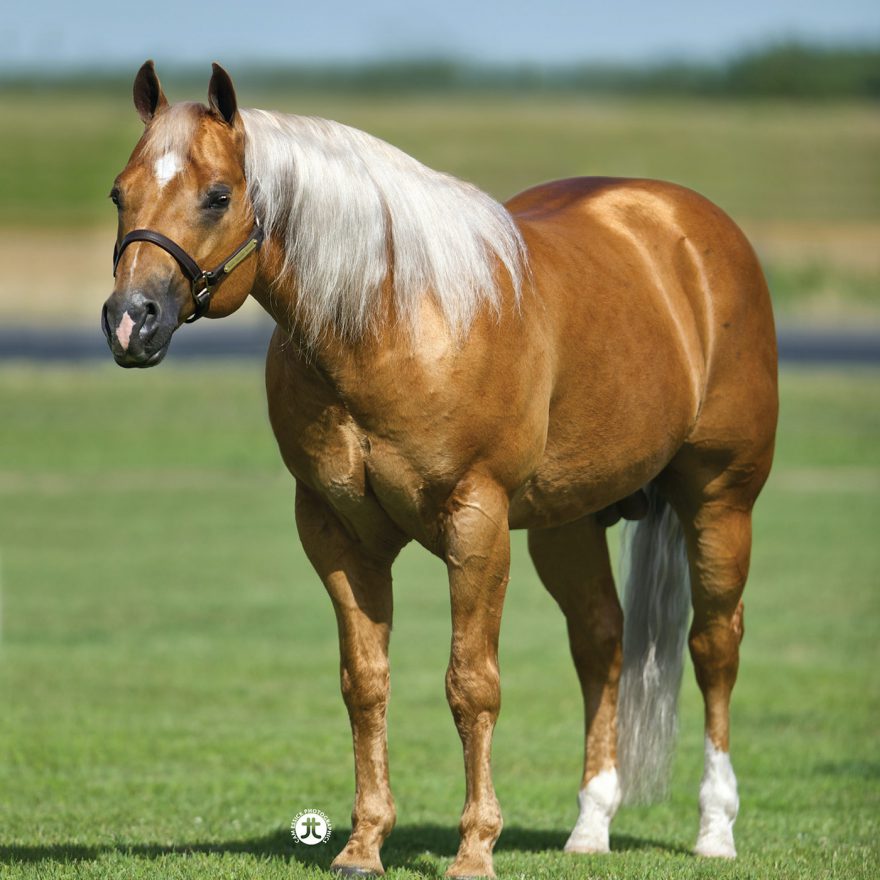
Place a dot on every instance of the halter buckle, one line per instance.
(201, 294)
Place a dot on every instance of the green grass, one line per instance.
(169, 671)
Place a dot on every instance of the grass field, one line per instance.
(169, 671)
(802, 179)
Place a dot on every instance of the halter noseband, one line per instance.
(202, 281)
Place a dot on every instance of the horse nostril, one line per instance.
(150, 319)
(105, 322)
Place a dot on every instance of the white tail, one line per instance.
(656, 611)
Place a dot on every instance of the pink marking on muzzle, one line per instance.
(123, 331)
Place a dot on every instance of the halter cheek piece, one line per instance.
(202, 281)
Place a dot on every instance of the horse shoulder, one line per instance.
(322, 445)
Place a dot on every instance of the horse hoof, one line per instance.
(478, 876)
(489, 876)
(353, 871)
(716, 846)
(591, 849)
(715, 852)
(468, 876)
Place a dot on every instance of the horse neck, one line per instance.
(443, 230)
(276, 292)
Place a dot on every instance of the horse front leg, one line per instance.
(477, 550)
(359, 584)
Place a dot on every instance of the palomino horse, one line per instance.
(445, 369)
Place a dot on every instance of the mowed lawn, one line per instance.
(169, 666)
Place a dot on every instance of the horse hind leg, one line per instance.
(572, 562)
(716, 515)
(719, 545)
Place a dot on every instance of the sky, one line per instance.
(60, 34)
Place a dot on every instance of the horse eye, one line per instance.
(219, 201)
(114, 197)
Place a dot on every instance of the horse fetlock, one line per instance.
(482, 820)
(374, 820)
(598, 802)
(480, 827)
(715, 840)
(719, 805)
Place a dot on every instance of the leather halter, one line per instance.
(202, 281)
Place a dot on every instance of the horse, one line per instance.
(445, 369)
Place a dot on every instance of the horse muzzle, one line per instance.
(138, 327)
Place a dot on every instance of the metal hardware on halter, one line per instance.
(202, 281)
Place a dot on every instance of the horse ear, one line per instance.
(221, 95)
(149, 99)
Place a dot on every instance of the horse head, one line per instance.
(185, 221)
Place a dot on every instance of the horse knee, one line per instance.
(473, 690)
(375, 811)
(365, 685)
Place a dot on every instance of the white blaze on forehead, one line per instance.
(166, 167)
(123, 331)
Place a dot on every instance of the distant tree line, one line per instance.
(790, 70)
(787, 70)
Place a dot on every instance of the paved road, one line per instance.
(209, 339)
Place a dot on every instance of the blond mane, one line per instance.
(355, 212)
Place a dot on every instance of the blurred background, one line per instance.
(167, 657)
(769, 109)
